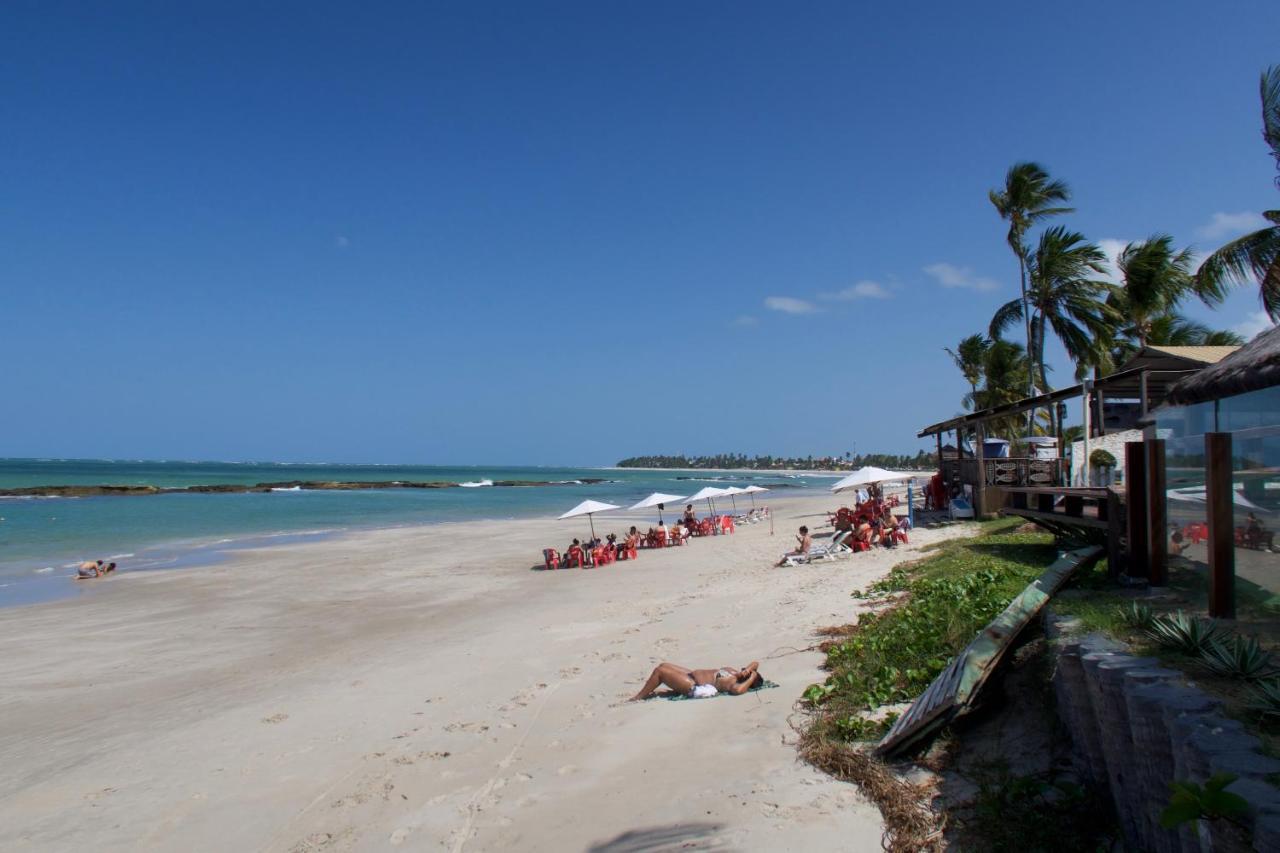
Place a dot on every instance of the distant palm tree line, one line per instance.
(1101, 324)
(846, 462)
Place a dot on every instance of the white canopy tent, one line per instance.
(589, 508)
(659, 500)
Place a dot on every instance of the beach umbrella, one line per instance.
(753, 491)
(657, 499)
(707, 494)
(734, 490)
(871, 474)
(589, 508)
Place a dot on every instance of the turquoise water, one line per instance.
(41, 539)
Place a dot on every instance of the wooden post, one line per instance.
(1142, 392)
(980, 486)
(1135, 499)
(938, 435)
(1115, 530)
(1157, 515)
(1218, 505)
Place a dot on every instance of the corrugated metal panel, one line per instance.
(952, 693)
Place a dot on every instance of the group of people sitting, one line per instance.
(855, 530)
(594, 552)
(94, 569)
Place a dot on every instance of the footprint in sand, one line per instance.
(472, 727)
(400, 835)
(97, 795)
(275, 718)
(523, 777)
(434, 756)
(567, 770)
(570, 671)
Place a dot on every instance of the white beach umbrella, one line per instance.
(753, 491)
(734, 490)
(589, 508)
(657, 499)
(707, 494)
(871, 474)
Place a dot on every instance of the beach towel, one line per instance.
(675, 697)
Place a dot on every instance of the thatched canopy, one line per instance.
(1254, 366)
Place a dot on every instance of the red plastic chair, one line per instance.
(706, 528)
(574, 558)
(726, 524)
(597, 556)
(662, 537)
(550, 558)
(900, 535)
(630, 551)
(1196, 532)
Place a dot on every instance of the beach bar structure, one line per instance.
(1114, 408)
(1220, 432)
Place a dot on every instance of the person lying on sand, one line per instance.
(803, 543)
(701, 683)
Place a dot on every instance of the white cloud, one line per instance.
(1257, 323)
(745, 320)
(1112, 249)
(861, 290)
(789, 305)
(1231, 225)
(341, 241)
(950, 275)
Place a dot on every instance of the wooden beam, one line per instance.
(1135, 487)
(1218, 505)
(1157, 515)
(980, 484)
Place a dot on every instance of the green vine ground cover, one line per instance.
(933, 608)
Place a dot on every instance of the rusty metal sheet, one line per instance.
(952, 693)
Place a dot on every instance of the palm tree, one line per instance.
(1004, 376)
(1156, 278)
(969, 356)
(1028, 197)
(1169, 330)
(1064, 296)
(1256, 256)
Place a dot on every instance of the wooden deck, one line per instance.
(1075, 514)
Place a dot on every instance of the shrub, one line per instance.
(1136, 615)
(1179, 632)
(1102, 459)
(1238, 657)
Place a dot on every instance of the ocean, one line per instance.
(42, 539)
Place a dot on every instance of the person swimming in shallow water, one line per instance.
(701, 683)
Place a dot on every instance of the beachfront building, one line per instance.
(998, 457)
(1221, 434)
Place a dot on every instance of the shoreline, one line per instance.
(424, 686)
(74, 491)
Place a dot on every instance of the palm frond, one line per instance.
(1253, 257)
(1270, 90)
(1006, 315)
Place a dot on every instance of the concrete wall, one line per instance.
(1137, 726)
(1113, 444)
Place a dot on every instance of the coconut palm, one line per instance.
(1256, 256)
(969, 355)
(1004, 380)
(1156, 279)
(1168, 330)
(1028, 197)
(1065, 296)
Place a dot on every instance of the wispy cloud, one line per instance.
(950, 275)
(1257, 323)
(745, 320)
(1231, 225)
(789, 305)
(341, 241)
(861, 290)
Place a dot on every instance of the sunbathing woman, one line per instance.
(701, 683)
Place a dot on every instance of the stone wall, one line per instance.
(1113, 444)
(1137, 726)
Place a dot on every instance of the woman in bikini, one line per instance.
(701, 683)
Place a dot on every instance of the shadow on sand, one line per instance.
(679, 836)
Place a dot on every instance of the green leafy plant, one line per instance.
(1179, 632)
(1266, 698)
(1136, 615)
(1191, 802)
(1102, 459)
(1238, 657)
(861, 728)
(1013, 814)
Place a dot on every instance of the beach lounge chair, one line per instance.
(550, 558)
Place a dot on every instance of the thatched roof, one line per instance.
(1254, 366)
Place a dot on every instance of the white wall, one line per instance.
(1113, 444)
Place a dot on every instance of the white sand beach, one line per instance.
(424, 689)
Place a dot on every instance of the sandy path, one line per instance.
(390, 689)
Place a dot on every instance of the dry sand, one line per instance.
(425, 689)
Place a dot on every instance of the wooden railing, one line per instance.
(1009, 471)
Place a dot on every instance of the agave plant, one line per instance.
(1137, 615)
(1239, 657)
(1266, 697)
(1190, 635)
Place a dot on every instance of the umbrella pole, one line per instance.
(593, 527)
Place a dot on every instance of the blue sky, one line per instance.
(566, 233)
